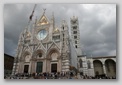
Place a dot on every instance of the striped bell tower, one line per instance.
(75, 34)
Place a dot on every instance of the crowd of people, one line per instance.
(55, 75)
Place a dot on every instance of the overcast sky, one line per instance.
(97, 24)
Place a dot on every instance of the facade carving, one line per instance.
(44, 49)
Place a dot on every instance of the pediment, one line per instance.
(43, 21)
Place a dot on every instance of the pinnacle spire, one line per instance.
(53, 20)
(44, 9)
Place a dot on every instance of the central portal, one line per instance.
(54, 67)
(39, 67)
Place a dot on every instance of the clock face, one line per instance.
(42, 34)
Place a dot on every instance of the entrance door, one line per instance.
(26, 67)
(39, 67)
(54, 67)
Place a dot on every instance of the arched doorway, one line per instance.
(27, 58)
(54, 58)
(39, 67)
(40, 60)
(53, 61)
(110, 68)
(98, 68)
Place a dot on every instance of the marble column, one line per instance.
(104, 69)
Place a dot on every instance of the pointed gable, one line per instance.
(40, 46)
(27, 48)
(53, 45)
(43, 20)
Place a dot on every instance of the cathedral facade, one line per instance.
(45, 49)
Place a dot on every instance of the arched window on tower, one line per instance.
(74, 32)
(89, 64)
(80, 62)
(74, 27)
(75, 37)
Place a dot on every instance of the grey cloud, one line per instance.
(9, 47)
(97, 24)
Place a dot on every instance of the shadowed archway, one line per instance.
(98, 67)
(110, 67)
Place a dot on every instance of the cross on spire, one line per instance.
(44, 10)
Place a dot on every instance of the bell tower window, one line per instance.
(74, 32)
(75, 37)
(75, 27)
